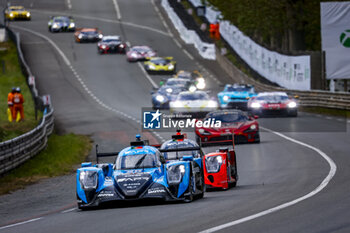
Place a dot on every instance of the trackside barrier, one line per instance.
(206, 50)
(16, 151)
(312, 98)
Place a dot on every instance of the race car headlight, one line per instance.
(152, 67)
(72, 25)
(171, 66)
(80, 36)
(200, 80)
(100, 36)
(169, 90)
(175, 173)
(88, 179)
(212, 104)
(55, 25)
(253, 127)
(28, 14)
(213, 163)
(255, 105)
(103, 46)
(160, 98)
(121, 46)
(292, 105)
(200, 85)
(134, 55)
(203, 132)
(11, 15)
(225, 98)
(192, 88)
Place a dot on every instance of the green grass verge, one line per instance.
(60, 157)
(326, 111)
(11, 76)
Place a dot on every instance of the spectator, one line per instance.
(18, 101)
(10, 103)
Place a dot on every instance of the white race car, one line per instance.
(193, 102)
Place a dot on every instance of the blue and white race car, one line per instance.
(139, 172)
(236, 96)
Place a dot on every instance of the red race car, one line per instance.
(220, 169)
(244, 127)
(273, 103)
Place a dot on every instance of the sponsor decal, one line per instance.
(165, 121)
(105, 194)
(156, 190)
(345, 38)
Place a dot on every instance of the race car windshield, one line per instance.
(193, 96)
(20, 9)
(180, 154)
(141, 50)
(274, 98)
(89, 33)
(229, 118)
(176, 82)
(160, 61)
(137, 161)
(111, 40)
(59, 20)
(240, 89)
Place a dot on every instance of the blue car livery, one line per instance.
(236, 96)
(139, 172)
(165, 94)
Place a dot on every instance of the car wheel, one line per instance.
(189, 197)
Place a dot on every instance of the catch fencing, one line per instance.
(16, 151)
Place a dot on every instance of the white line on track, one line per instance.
(320, 187)
(69, 4)
(88, 91)
(20, 223)
(69, 210)
(117, 10)
(154, 84)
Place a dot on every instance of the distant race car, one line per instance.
(273, 103)
(194, 76)
(165, 94)
(139, 172)
(140, 53)
(236, 96)
(198, 103)
(111, 44)
(61, 24)
(87, 35)
(244, 127)
(17, 12)
(220, 169)
(160, 65)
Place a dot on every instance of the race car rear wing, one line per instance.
(105, 154)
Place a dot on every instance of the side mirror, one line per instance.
(162, 159)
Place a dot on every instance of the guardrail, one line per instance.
(16, 151)
(314, 98)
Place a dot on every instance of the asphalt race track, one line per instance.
(102, 95)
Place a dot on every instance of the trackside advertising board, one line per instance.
(335, 32)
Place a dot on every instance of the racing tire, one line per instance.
(189, 198)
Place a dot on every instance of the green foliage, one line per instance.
(58, 158)
(276, 23)
(11, 76)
